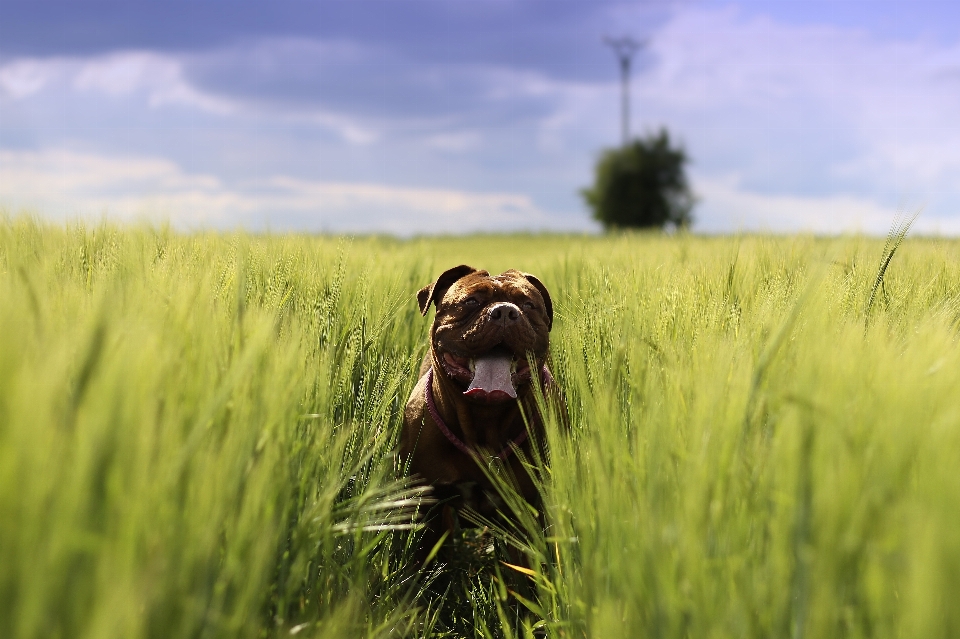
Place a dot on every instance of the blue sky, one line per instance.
(420, 116)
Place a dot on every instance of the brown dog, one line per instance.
(472, 384)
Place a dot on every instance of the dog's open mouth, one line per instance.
(492, 377)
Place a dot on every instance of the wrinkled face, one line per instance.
(484, 328)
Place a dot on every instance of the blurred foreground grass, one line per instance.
(196, 436)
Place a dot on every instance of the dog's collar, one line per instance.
(432, 407)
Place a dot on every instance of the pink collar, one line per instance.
(432, 407)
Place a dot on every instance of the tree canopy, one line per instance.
(641, 185)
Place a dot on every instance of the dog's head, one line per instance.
(485, 327)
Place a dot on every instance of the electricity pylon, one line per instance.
(624, 48)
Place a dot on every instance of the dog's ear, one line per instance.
(434, 292)
(545, 294)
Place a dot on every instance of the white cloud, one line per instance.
(348, 129)
(22, 78)
(860, 115)
(159, 76)
(458, 141)
(406, 211)
(728, 207)
(63, 185)
(161, 80)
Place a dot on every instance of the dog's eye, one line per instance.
(529, 306)
(470, 301)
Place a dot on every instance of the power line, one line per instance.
(624, 48)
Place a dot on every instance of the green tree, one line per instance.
(641, 185)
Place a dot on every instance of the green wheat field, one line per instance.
(197, 436)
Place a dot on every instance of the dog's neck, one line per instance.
(477, 424)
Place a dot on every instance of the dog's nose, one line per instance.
(504, 313)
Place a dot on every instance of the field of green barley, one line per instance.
(197, 436)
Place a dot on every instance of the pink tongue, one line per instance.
(492, 378)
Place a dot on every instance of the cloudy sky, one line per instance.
(418, 116)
